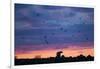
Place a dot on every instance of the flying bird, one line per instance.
(45, 38)
(46, 41)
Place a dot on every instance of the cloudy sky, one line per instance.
(52, 28)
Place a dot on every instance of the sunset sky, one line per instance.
(42, 30)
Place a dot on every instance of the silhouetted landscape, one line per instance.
(42, 30)
(57, 59)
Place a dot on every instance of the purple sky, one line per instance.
(42, 27)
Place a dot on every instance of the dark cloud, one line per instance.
(81, 9)
(42, 24)
(74, 46)
(74, 33)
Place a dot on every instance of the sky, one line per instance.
(47, 29)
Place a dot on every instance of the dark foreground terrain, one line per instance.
(57, 59)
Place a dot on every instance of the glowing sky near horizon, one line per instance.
(43, 30)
